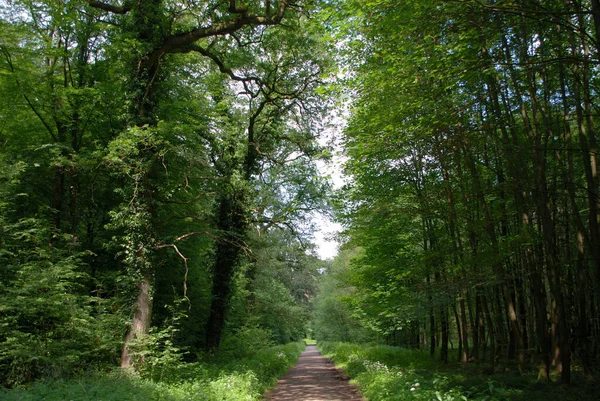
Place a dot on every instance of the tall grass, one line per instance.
(385, 373)
(243, 379)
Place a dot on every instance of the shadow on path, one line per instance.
(314, 378)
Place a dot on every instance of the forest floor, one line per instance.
(314, 378)
(385, 373)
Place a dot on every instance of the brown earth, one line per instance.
(314, 378)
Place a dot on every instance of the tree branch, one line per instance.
(124, 9)
(222, 66)
(175, 43)
(185, 265)
(523, 11)
(235, 9)
(29, 103)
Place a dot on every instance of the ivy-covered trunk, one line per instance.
(148, 23)
(232, 225)
(136, 218)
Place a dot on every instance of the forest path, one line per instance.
(314, 378)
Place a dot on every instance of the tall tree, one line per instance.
(486, 99)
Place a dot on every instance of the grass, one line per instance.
(385, 373)
(237, 380)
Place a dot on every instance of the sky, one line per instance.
(324, 237)
(327, 246)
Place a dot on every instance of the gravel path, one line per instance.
(314, 378)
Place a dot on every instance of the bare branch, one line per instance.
(185, 265)
(193, 233)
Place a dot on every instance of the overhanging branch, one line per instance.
(177, 42)
(124, 9)
(223, 68)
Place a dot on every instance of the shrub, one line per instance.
(50, 327)
(245, 342)
(385, 373)
(235, 380)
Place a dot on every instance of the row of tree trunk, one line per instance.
(507, 187)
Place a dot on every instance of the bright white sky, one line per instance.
(324, 238)
(327, 246)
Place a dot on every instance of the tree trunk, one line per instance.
(474, 354)
(500, 323)
(587, 141)
(143, 84)
(140, 323)
(521, 303)
(432, 330)
(491, 330)
(57, 195)
(232, 225)
(480, 326)
(458, 331)
(539, 139)
(465, 334)
(516, 339)
(444, 333)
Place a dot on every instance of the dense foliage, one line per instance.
(158, 182)
(157, 171)
(242, 379)
(332, 318)
(473, 202)
(388, 373)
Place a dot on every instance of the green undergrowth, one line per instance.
(385, 373)
(239, 379)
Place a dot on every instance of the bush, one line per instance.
(385, 373)
(49, 326)
(234, 380)
(245, 342)
(155, 354)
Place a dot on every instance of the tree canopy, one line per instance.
(159, 180)
(471, 147)
(150, 151)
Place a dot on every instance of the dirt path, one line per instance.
(314, 378)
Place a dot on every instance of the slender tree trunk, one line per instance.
(491, 329)
(583, 329)
(417, 335)
(432, 330)
(596, 15)
(445, 332)
(516, 338)
(474, 354)
(522, 312)
(457, 256)
(465, 336)
(539, 139)
(57, 196)
(480, 325)
(586, 127)
(502, 342)
(458, 332)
